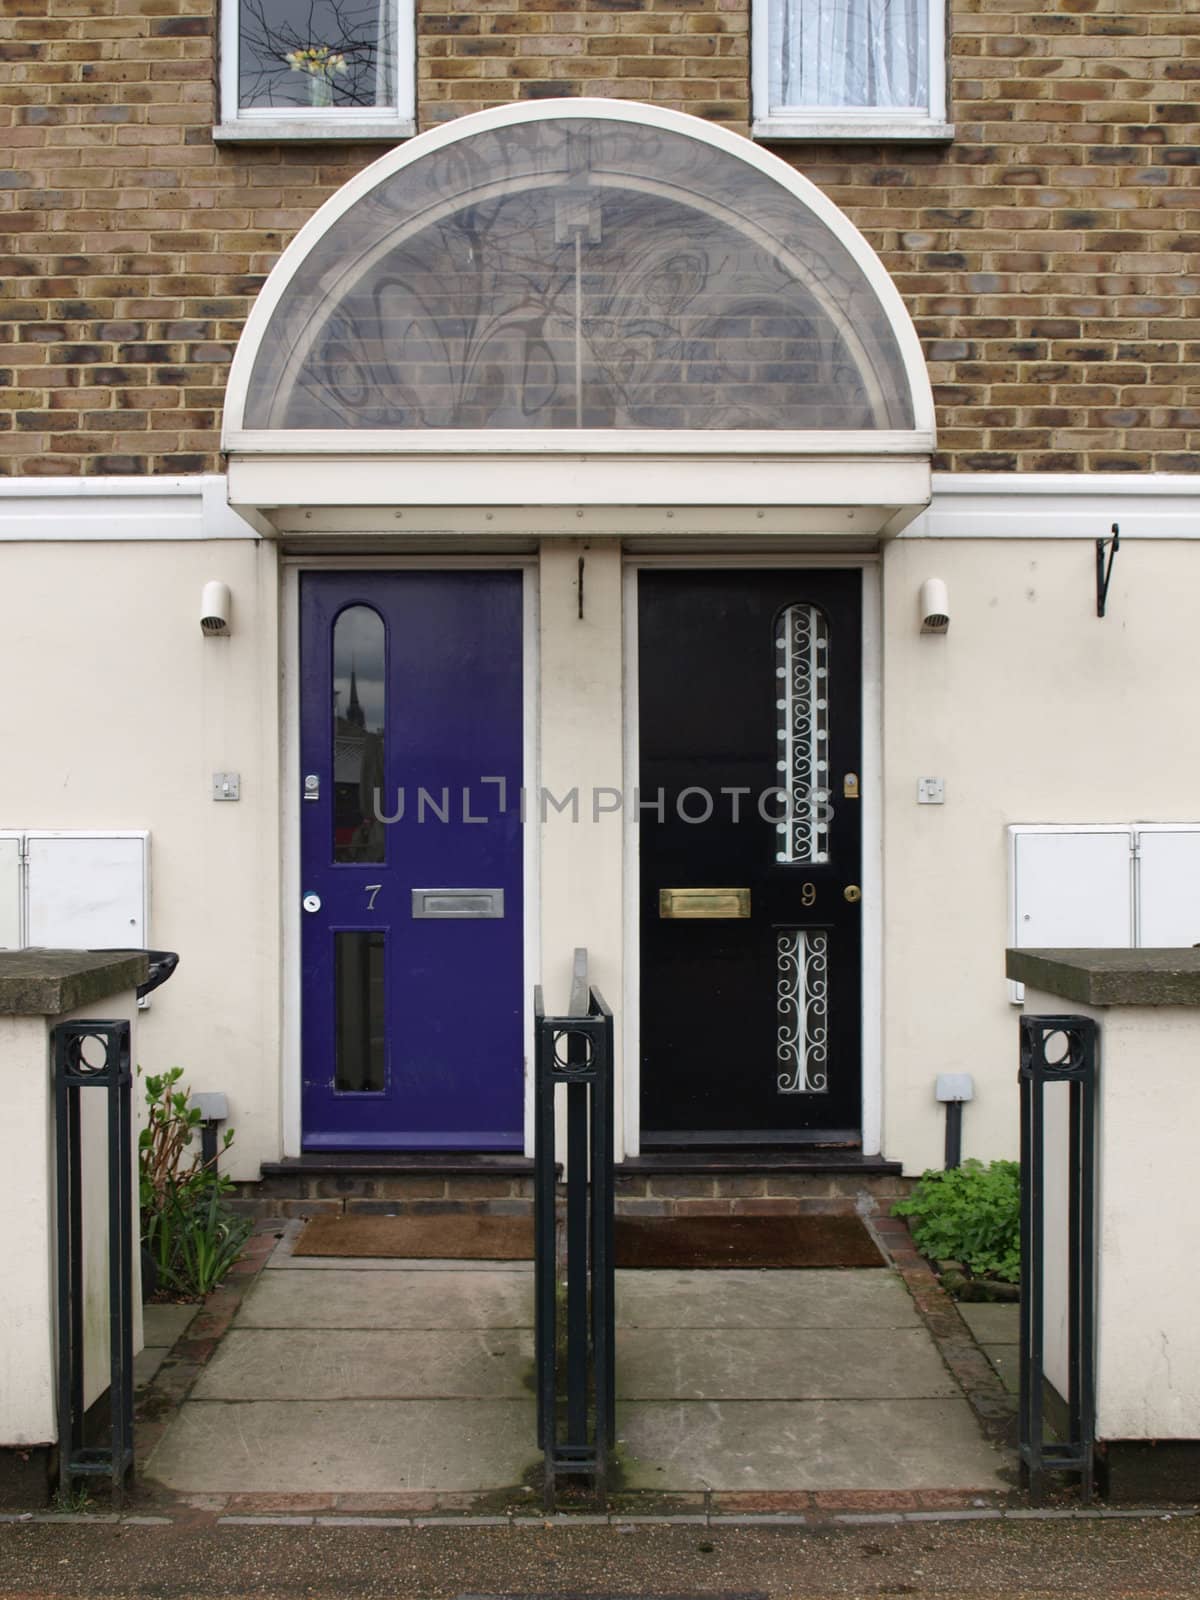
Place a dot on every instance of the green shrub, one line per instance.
(187, 1227)
(970, 1214)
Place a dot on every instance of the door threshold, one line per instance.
(441, 1163)
(798, 1159)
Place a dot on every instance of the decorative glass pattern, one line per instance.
(359, 663)
(579, 273)
(802, 726)
(803, 990)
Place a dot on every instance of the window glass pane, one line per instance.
(359, 665)
(579, 273)
(312, 54)
(359, 1011)
(849, 53)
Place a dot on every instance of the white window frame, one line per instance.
(278, 124)
(825, 123)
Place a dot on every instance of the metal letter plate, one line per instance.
(458, 902)
(723, 903)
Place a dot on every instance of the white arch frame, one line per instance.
(241, 442)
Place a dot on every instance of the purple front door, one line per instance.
(411, 860)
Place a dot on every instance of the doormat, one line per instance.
(693, 1242)
(454, 1237)
(708, 1242)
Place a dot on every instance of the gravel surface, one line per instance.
(968, 1561)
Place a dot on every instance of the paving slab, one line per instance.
(992, 1322)
(766, 1298)
(1007, 1362)
(349, 1298)
(347, 1446)
(757, 1364)
(805, 1444)
(362, 1364)
(163, 1324)
(147, 1362)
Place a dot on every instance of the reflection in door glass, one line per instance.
(359, 662)
(358, 975)
(802, 724)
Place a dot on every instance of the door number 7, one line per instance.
(372, 890)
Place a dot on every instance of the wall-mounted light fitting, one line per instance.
(216, 604)
(935, 606)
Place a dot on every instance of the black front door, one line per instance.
(750, 743)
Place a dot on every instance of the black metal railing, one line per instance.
(1058, 1054)
(575, 1313)
(94, 1055)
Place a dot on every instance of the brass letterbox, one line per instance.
(720, 903)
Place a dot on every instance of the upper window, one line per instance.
(316, 69)
(850, 68)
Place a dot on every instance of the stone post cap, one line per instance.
(45, 983)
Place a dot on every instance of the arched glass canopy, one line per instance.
(581, 265)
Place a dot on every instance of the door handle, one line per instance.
(852, 893)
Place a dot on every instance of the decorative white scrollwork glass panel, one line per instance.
(802, 1052)
(802, 727)
(577, 272)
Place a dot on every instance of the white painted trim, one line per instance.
(578, 443)
(871, 844)
(875, 488)
(657, 117)
(531, 696)
(377, 131)
(291, 986)
(119, 509)
(870, 818)
(291, 1030)
(631, 1033)
(825, 128)
(1066, 505)
(335, 123)
(768, 118)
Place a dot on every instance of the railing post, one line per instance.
(1058, 1050)
(575, 1349)
(78, 1045)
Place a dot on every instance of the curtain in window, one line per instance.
(849, 53)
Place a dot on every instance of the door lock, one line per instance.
(311, 902)
(852, 893)
(312, 785)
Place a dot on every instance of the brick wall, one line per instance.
(1048, 256)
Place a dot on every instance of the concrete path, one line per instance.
(385, 1376)
(997, 1329)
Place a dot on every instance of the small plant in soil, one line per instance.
(188, 1229)
(970, 1214)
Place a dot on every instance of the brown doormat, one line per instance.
(695, 1242)
(453, 1237)
(811, 1241)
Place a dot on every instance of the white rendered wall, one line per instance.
(28, 1341)
(118, 714)
(1032, 709)
(1148, 1309)
(580, 719)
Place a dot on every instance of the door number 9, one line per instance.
(808, 894)
(374, 888)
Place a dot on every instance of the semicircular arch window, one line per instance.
(579, 273)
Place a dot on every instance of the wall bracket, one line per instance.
(1104, 568)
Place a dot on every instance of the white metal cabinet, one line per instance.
(87, 891)
(1070, 887)
(1168, 885)
(11, 919)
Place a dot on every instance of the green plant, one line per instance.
(187, 1226)
(970, 1214)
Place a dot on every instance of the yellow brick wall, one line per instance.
(1048, 256)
